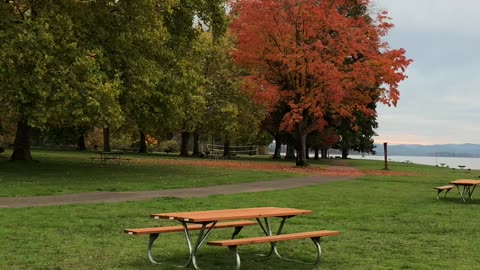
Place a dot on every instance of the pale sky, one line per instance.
(440, 99)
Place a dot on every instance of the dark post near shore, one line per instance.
(385, 155)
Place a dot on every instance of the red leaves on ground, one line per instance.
(273, 167)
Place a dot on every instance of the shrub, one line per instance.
(168, 146)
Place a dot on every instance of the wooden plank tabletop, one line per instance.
(232, 214)
(465, 182)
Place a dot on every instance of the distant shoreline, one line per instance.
(450, 162)
(466, 150)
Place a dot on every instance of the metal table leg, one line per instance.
(236, 256)
(193, 249)
(466, 192)
(315, 240)
(471, 189)
(152, 239)
(461, 192)
(273, 246)
(268, 232)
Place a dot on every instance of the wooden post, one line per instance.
(385, 155)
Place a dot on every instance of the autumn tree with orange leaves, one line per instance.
(316, 57)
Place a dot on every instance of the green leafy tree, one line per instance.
(229, 112)
(133, 36)
(46, 77)
(357, 134)
(194, 28)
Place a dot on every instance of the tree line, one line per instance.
(305, 73)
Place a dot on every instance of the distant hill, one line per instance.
(440, 150)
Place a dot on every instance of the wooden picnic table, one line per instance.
(465, 187)
(208, 219)
(113, 156)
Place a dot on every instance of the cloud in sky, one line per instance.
(440, 101)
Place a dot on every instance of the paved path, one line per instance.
(106, 197)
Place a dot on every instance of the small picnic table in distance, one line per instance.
(468, 186)
(114, 156)
(208, 219)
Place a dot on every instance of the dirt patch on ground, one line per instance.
(337, 162)
(338, 170)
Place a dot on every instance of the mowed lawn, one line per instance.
(73, 172)
(387, 222)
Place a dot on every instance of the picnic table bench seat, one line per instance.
(193, 227)
(445, 188)
(313, 235)
(155, 232)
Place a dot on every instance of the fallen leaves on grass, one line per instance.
(274, 167)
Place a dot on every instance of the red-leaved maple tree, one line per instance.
(318, 56)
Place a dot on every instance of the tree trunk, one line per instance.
(196, 147)
(21, 147)
(106, 139)
(344, 153)
(307, 150)
(316, 153)
(226, 149)
(301, 149)
(143, 142)
(290, 154)
(184, 147)
(81, 143)
(278, 149)
(324, 153)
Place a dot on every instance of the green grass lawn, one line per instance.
(73, 172)
(387, 222)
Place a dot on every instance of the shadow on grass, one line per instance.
(220, 259)
(456, 199)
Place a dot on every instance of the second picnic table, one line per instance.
(113, 156)
(468, 186)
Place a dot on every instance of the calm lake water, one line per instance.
(452, 162)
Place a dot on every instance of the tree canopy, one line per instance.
(46, 77)
(291, 68)
(98, 63)
(317, 57)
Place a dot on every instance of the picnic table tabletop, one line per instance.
(232, 214)
(468, 185)
(465, 182)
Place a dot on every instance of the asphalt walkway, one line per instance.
(107, 197)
